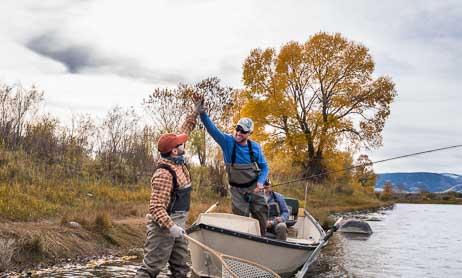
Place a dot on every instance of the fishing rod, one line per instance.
(371, 163)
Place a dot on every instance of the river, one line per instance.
(411, 240)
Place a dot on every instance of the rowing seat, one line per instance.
(293, 206)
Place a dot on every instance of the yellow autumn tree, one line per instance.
(311, 98)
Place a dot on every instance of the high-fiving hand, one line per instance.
(198, 103)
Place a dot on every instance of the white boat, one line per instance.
(239, 236)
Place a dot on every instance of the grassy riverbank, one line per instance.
(35, 227)
(447, 198)
(37, 203)
(432, 202)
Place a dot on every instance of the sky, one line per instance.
(89, 56)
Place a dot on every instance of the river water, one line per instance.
(411, 240)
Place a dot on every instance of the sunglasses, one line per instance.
(239, 129)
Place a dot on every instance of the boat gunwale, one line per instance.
(287, 244)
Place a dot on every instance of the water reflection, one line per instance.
(353, 236)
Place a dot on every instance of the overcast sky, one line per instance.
(89, 56)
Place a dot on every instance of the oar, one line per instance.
(313, 255)
(212, 207)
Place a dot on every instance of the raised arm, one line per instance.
(189, 124)
(216, 134)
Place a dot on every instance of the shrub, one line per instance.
(32, 248)
(102, 222)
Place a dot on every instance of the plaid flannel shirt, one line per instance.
(162, 181)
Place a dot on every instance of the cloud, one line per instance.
(81, 58)
(90, 55)
(433, 22)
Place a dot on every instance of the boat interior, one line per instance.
(302, 230)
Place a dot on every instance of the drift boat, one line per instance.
(239, 236)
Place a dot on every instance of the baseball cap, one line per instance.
(167, 142)
(246, 124)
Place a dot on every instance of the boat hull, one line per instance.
(284, 258)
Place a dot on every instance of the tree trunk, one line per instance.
(314, 169)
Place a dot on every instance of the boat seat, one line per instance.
(293, 206)
(231, 222)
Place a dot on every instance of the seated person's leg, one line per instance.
(281, 231)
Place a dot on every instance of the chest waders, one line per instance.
(159, 247)
(180, 198)
(243, 175)
(243, 179)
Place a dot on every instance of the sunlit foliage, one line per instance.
(311, 98)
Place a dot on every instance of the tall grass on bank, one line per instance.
(27, 195)
(73, 201)
(32, 202)
(82, 201)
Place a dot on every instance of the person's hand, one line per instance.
(176, 231)
(258, 188)
(198, 103)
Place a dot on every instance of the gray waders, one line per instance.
(243, 180)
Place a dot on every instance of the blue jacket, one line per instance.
(276, 197)
(226, 142)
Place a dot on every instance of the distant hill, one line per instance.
(416, 182)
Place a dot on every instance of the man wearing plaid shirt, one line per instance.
(169, 206)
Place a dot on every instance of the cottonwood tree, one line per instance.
(316, 96)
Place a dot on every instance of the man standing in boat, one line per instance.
(245, 164)
(278, 212)
(169, 206)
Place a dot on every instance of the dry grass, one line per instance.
(35, 202)
(7, 249)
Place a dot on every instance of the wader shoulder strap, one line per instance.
(172, 172)
(175, 185)
(233, 154)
